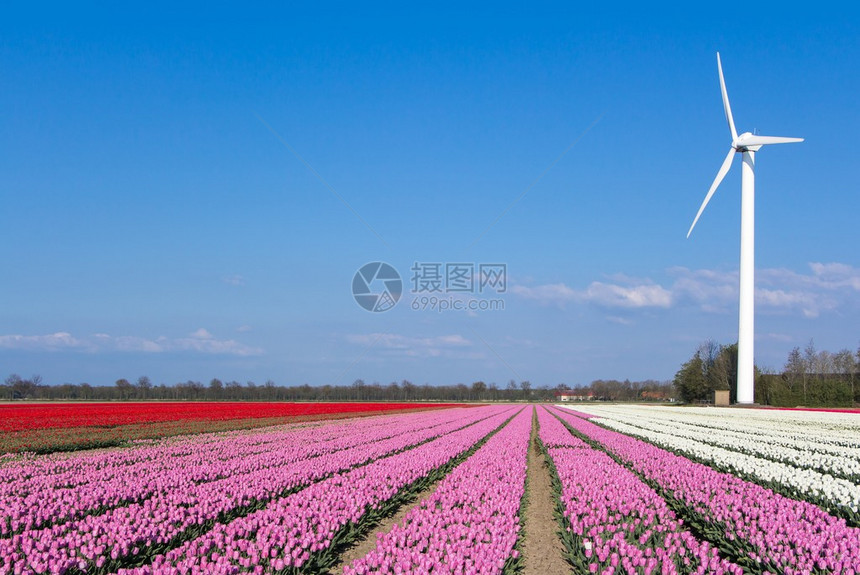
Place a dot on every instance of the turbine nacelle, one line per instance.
(741, 145)
(748, 142)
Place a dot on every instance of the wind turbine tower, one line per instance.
(747, 145)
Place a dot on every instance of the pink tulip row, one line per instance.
(773, 531)
(292, 531)
(470, 524)
(68, 470)
(553, 433)
(66, 466)
(614, 521)
(106, 480)
(156, 521)
(68, 486)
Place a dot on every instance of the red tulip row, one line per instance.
(43, 416)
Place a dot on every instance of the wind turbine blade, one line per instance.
(724, 169)
(753, 140)
(726, 107)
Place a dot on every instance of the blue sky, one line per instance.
(187, 192)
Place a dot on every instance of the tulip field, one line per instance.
(45, 428)
(636, 489)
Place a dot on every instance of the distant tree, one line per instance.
(20, 388)
(234, 390)
(374, 391)
(195, 389)
(144, 384)
(511, 390)
(795, 369)
(846, 367)
(809, 359)
(723, 370)
(216, 388)
(123, 387)
(478, 389)
(690, 380)
(358, 389)
(393, 392)
(709, 352)
(824, 364)
(526, 387)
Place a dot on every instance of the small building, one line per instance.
(572, 396)
(649, 395)
(721, 397)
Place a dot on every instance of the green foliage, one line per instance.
(780, 391)
(690, 380)
(712, 367)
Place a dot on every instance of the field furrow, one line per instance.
(471, 522)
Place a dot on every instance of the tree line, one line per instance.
(17, 388)
(809, 377)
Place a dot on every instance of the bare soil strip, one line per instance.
(367, 544)
(543, 551)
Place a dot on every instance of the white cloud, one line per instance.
(234, 280)
(129, 343)
(201, 341)
(550, 293)
(837, 275)
(778, 290)
(454, 345)
(59, 341)
(711, 290)
(600, 293)
(612, 295)
(213, 346)
(828, 287)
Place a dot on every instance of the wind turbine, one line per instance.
(746, 144)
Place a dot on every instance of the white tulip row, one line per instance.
(788, 447)
(836, 433)
(743, 449)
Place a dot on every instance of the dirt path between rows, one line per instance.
(543, 551)
(364, 546)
